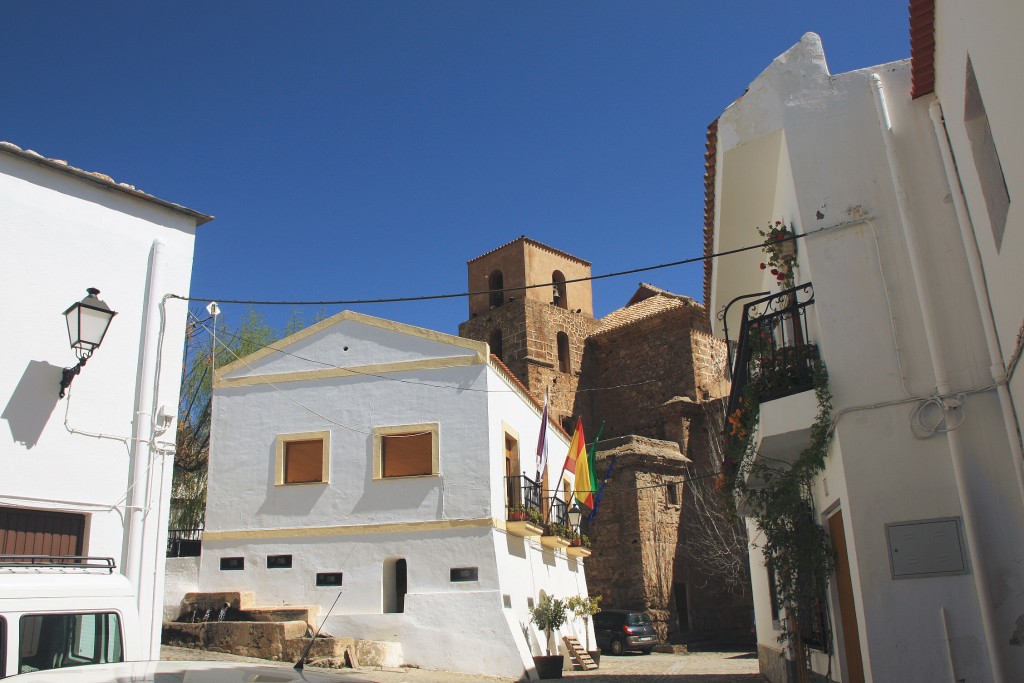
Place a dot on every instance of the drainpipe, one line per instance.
(967, 506)
(997, 367)
(140, 476)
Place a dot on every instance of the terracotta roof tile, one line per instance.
(922, 47)
(541, 245)
(710, 161)
(642, 310)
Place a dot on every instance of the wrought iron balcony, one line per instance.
(523, 512)
(774, 349)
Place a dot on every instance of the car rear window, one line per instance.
(55, 641)
(638, 619)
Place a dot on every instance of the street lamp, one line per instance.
(87, 320)
(575, 516)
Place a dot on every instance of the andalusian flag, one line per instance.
(577, 462)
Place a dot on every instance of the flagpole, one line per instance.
(579, 427)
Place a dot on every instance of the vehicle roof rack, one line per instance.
(57, 562)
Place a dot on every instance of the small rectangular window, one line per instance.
(465, 574)
(328, 579)
(303, 458)
(232, 563)
(405, 451)
(279, 561)
(672, 492)
(54, 641)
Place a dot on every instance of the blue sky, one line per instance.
(359, 150)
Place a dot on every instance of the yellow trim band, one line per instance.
(330, 373)
(352, 530)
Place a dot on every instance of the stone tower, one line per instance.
(535, 318)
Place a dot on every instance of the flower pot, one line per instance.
(517, 516)
(595, 655)
(549, 666)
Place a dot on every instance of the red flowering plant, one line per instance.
(780, 248)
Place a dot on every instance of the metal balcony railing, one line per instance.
(184, 542)
(522, 493)
(774, 350)
(558, 511)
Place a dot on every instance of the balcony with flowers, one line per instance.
(773, 373)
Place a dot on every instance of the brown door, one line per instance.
(847, 612)
(34, 532)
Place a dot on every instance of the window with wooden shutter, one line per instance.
(303, 461)
(303, 458)
(405, 451)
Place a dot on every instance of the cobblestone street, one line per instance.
(699, 667)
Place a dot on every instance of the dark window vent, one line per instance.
(279, 561)
(328, 579)
(232, 563)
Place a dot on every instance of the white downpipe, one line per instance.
(988, 323)
(967, 507)
(944, 616)
(143, 451)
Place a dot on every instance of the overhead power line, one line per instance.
(456, 295)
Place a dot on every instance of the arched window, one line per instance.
(564, 364)
(558, 294)
(496, 344)
(395, 585)
(496, 283)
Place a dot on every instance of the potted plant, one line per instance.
(517, 513)
(584, 608)
(560, 530)
(548, 615)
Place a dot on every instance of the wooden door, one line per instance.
(847, 612)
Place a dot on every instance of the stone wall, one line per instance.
(636, 531)
(529, 331)
(649, 361)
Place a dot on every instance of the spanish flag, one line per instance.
(577, 463)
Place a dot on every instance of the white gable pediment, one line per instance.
(353, 341)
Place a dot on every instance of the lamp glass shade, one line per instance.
(88, 321)
(575, 516)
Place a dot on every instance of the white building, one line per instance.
(371, 457)
(68, 464)
(907, 218)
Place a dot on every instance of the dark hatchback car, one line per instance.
(619, 630)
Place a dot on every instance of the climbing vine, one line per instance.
(794, 545)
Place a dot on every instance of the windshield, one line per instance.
(638, 619)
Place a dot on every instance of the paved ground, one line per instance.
(698, 667)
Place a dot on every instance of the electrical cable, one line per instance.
(236, 337)
(456, 295)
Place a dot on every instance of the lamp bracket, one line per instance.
(68, 374)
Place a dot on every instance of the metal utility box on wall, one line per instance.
(933, 547)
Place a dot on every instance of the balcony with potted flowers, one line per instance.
(523, 516)
(557, 532)
(774, 368)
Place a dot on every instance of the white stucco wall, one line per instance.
(358, 525)
(879, 471)
(62, 235)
